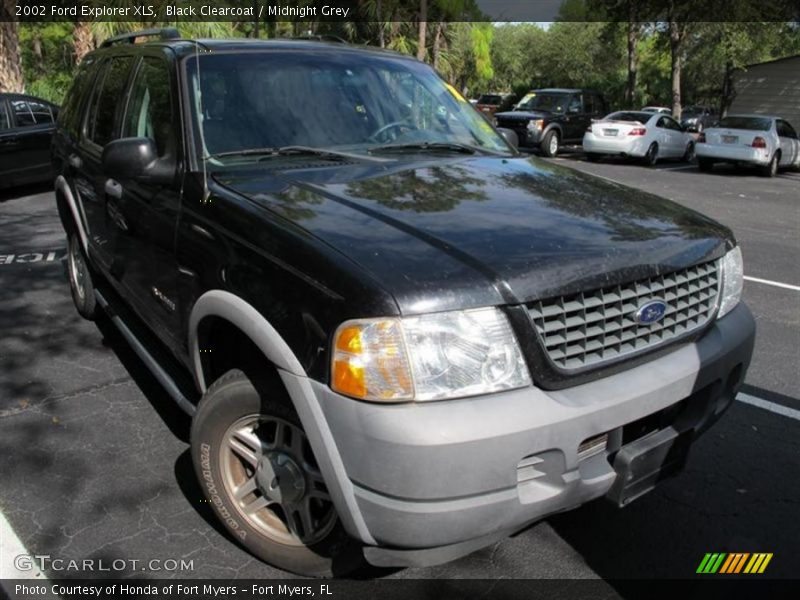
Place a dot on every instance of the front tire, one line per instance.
(688, 156)
(550, 144)
(258, 472)
(80, 278)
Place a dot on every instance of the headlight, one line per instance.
(732, 281)
(536, 125)
(430, 357)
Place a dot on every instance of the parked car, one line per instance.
(646, 135)
(26, 129)
(489, 103)
(657, 109)
(698, 118)
(398, 339)
(549, 118)
(767, 142)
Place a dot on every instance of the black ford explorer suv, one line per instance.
(403, 340)
(547, 119)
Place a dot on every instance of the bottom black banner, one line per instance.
(391, 589)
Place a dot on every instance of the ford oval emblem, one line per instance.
(651, 312)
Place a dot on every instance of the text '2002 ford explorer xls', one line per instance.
(407, 340)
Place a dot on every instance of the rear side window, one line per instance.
(23, 114)
(785, 130)
(5, 122)
(106, 106)
(150, 107)
(41, 112)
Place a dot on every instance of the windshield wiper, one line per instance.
(296, 151)
(415, 146)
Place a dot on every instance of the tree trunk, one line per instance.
(676, 48)
(381, 33)
(423, 29)
(728, 92)
(10, 62)
(633, 59)
(437, 43)
(82, 40)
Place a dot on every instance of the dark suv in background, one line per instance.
(26, 130)
(398, 339)
(549, 118)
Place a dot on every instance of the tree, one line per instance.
(10, 61)
(423, 27)
(82, 40)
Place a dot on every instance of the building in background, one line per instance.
(769, 88)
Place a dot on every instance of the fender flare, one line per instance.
(62, 186)
(225, 305)
(552, 127)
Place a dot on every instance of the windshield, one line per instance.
(326, 100)
(555, 103)
(751, 123)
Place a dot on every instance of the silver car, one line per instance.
(767, 142)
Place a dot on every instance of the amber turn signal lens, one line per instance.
(370, 361)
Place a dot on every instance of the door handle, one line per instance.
(74, 161)
(113, 188)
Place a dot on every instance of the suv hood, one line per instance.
(476, 231)
(523, 115)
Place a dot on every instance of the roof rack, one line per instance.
(166, 33)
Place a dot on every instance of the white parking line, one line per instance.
(10, 548)
(785, 286)
(778, 409)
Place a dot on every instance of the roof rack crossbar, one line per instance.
(166, 33)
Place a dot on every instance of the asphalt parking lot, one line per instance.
(94, 461)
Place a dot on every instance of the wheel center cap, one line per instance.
(280, 479)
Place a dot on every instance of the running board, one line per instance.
(159, 373)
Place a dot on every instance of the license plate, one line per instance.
(610, 132)
(729, 139)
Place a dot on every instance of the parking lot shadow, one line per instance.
(18, 192)
(739, 493)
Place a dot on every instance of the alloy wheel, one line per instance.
(271, 476)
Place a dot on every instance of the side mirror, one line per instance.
(136, 158)
(510, 136)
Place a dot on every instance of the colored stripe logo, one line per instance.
(734, 562)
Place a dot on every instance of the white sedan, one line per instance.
(638, 134)
(767, 142)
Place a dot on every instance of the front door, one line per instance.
(8, 146)
(150, 211)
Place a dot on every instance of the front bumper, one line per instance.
(454, 475)
(733, 153)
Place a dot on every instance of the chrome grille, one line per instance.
(590, 328)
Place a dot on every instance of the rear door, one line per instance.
(576, 120)
(101, 125)
(790, 146)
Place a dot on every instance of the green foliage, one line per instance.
(577, 51)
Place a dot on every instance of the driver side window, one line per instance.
(149, 111)
(575, 105)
